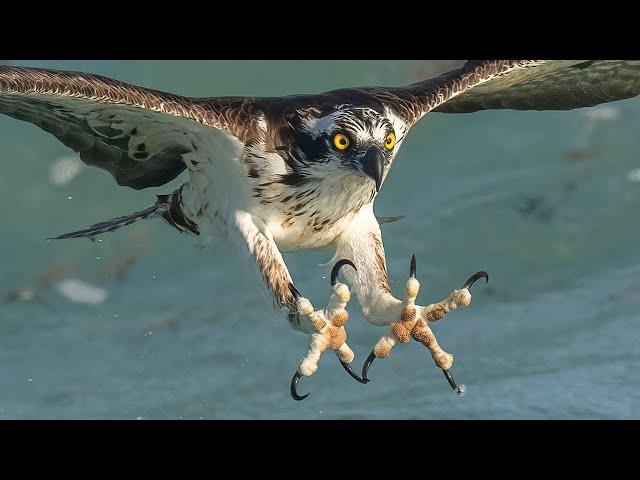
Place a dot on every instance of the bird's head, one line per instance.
(356, 144)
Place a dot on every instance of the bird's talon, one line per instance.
(460, 390)
(350, 371)
(294, 384)
(367, 364)
(474, 278)
(294, 291)
(412, 266)
(336, 270)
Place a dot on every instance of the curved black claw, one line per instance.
(367, 364)
(474, 278)
(458, 389)
(412, 268)
(294, 383)
(350, 371)
(336, 269)
(294, 291)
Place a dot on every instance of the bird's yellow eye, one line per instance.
(340, 141)
(390, 141)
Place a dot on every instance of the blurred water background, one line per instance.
(546, 202)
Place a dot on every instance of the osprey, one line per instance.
(296, 172)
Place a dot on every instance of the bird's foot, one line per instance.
(413, 323)
(326, 329)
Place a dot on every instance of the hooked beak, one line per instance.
(373, 165)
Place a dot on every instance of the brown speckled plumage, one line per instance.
(380, 263)
(231, 114)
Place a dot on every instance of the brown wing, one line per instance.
(141, 136)
(517, 84)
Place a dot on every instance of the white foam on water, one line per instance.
(634, 175)
(79, 291)
(601, 113)
(64, 169)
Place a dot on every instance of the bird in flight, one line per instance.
(279, 174)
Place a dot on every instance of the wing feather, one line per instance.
(143, 137)
(553, 85)
(515, 84)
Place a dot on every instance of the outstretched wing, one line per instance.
(516, 84)
(143, 137)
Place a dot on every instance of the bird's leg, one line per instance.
(326, 326)
(362, 241)
(413, 323)
(326, 329)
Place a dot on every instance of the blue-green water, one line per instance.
(546, 202)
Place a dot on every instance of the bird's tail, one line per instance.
(160, 208)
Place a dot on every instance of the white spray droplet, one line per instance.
(634, 175)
